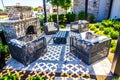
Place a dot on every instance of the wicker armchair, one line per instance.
(79, 26)
(27, 52)
(90, 50)
(74, 26)
(51, 28)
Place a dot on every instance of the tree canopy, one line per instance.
(66, 4)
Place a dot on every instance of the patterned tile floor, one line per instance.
(59, 59)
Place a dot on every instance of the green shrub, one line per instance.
(91, 18)
(107, 30)
(97, 25)
(41, 21)
(62, 18)
(99, 33)
(108, 23)
(70, 17)
(54, 17)
(96, 30)
(114, 34)
(9, 77)
(49, 18)
(117, 26)
(42, 28)
(81, 15)
(92, 27)
(36, 78)
(113, 44)
(4, 49)
(62, 26)
(113, 49)
(101, 27)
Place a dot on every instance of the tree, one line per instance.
(66, 4)
(56, 3)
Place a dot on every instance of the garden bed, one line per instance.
(109, 28)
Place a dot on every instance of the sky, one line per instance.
(33, 3)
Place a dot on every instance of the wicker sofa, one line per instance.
(79, 26)
(51, 28)
(90, 49)
(26, 50)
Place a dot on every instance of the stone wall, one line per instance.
(93, 7)
(19, 12)
(17, 28)
(78, 5)
(107, 8)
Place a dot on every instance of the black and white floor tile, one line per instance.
(59, 59)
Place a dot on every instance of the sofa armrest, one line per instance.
(17, 43)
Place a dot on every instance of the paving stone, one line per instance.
(59, 59)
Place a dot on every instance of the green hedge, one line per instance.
(4, 49)
(101, 27)
(81, 15)
(36, 78)
(108, 23)
(97, 25)
(18, 77)
(9, 77)
(91, 18)
(117, 26)
(92, 27)
(70, 16)
(62, 26)
(114, 34)
(108, 30)
(62, 19)
(112, 43)
(54, 17)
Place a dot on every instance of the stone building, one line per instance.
(20, 22)
(99, 8)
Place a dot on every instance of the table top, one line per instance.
(61, 34)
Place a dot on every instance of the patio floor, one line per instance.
(58, 59)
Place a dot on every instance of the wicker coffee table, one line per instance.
(60, 37)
